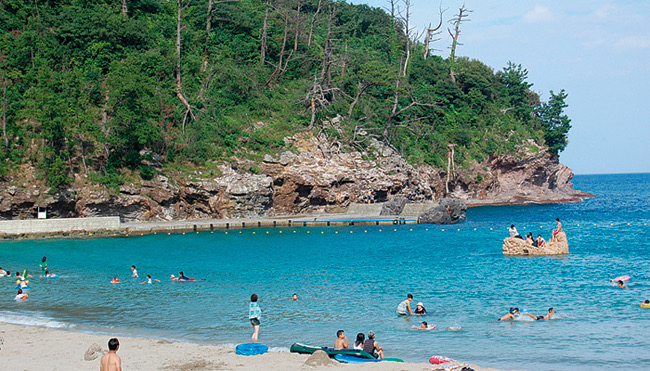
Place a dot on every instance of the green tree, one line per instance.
(556, 124)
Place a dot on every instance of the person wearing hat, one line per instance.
(419, 309)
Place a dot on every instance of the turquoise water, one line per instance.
(354, 281)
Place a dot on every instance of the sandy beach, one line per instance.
(32, 348)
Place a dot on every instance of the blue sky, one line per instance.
(597, 50)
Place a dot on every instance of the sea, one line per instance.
(352, 278)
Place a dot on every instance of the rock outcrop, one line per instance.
(394, 207)
(448, 211)
(557, 245)
(316, 177)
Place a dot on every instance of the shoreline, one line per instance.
(31, 347)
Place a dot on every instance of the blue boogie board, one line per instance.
(251, 349)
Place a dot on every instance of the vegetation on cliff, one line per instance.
(101, 86)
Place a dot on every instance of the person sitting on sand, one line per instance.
(372, 346)
(341, 340)
(548, 315)
(149, 280)
(111, 361)
(419, 309)
(21, 295)
(621, 285)
(424, 326)
(540, 241)
(512, 314)
(115, 280)
(404, 307)
(358, 344)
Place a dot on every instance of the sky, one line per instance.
(597, 50)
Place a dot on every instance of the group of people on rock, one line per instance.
(530, 240)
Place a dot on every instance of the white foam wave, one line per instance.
(34, 319)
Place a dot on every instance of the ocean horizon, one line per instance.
(353, 277)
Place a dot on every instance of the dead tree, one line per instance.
(461, 17)
(450, 164)
(265, 30)
(125, 7)
(317, 95)
(313, 22)
(430, 34)
(182, 4)
(395, 112)
(406, 19)
(208, 30)
(4, 83)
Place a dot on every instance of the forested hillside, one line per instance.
(109, 87)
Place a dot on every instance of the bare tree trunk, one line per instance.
(344, 59)
(407, 31)
(393, 112)
(430, 32)
(125, 7)
(450, 164)
(360, 90)
(313, 22)
(460, 18)
(4, 111)
(297, 27)
(208, 29)
(179, 85)
(265, 27)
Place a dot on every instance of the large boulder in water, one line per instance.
(555, 246)
(448, 211)
(393, 207)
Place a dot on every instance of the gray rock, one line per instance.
(393, 207)
(448, 211)
(269, 159)
(287, 157)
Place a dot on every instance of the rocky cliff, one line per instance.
(315, 177)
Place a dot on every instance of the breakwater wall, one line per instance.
(53, 226)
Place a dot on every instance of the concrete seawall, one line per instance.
(48, 226)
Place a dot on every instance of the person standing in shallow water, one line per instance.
(43, 265)
(254, 315)
(404, 307)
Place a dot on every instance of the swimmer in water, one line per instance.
(48, 274)
(135, 272)
(548, 315)
(21, 295)
(295, 297)
(149, 280)
(645, 304)
(182, 277)
(424, 326)
(621, 285)
(115, 280)
(512, 314)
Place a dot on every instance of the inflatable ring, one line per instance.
(645, 305)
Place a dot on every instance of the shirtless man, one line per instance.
(111, 361)
(512, 314)
(548, 315)
(341, 340)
